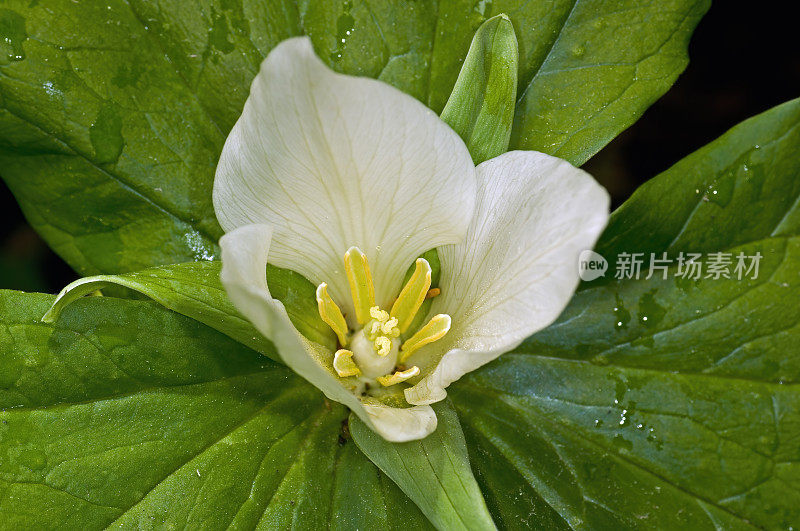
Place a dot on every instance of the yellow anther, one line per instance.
(331, 313)
(433, 292)
(360, 280)
(383, 345)
(344, 365)
(410, 299)
(398, 376)
(390, 326)
(436, 328)
(379, 315)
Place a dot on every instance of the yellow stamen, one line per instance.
(360, 280)
(410, 299)
(331, 313)
(436, 328)
(433, 292)
(398, 376)
(390, 326)
(383, 345)
(344, 365)
(379, 315)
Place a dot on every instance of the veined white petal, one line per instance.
(244, 262)
(518, 266)
(333, 161)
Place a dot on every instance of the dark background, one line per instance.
(745, 58)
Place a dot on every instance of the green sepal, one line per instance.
(194, 289)
(481, 106)
(434, 472)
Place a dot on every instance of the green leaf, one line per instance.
(434, 471)
(194, 289)
(673, 451)
(103, 422)
(481, 107)
(105, 145)
(740, 193)
(663, 403)
(744, 186)
(113, 114)
(592, 68)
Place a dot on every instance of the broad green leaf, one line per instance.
(194, 289)
(663, 403)
(434, 471)
(106, 147)
(595, 67)
(740, 193)
(574, 445)
(739, 189)
(113, 114)
(481, 106)
(105, 423)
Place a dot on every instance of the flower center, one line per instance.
(376, 351)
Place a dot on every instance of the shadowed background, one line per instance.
(742, 62)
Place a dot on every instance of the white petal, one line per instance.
(399, 424)
(518, 266)
(333, 161)
(244, 262)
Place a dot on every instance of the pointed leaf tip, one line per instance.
(481, 106)
(434, 472)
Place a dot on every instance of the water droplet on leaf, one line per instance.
(12, 34)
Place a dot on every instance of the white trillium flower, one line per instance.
(347, 181)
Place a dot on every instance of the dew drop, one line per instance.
(12, 34)
(621, 316)
(345, 27)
